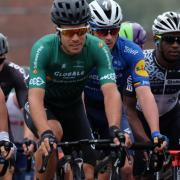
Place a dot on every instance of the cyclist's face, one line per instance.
(170, 47)
(108, 35)
(73, 38)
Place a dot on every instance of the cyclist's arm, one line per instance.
(148, 106)
(37, 111)
(3, 113)
(28, 133)
(37, 83)
(112, 98)
(113, 104)
(134, 121)
(140, 80)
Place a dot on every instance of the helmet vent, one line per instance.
(67, 6)
(165, 24)
(77, 5)
(97, 14)
(108, 13)
(176, 21)
(63, 14)
(158, 27)
(59, 5)
(117, 12)
(83, 12)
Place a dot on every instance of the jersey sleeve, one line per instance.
(38, 59)
(129, 89)
(103, 62)
(135, 57)
(19, 83)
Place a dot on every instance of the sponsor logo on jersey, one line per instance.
(101, 44)
(69, 74)
(130, 50)
(37, 56)
(20, 69)
(110, 76)
(36, 81)
(48, 78)
(35, 71)
(140, 69)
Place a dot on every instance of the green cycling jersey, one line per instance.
(64, 76)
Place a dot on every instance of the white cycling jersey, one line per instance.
(16, 119)
(164, 83)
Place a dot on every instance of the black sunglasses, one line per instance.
(171, 39)
(105, 32)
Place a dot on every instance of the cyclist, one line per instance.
(163, 66)
(13, 76)
(59, 67)
(4, 135)
(127, 58)
(134, 32)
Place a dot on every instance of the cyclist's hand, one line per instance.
(7, 149)
(29, 146)
(128, 142)
(47, 142)
(160, 140)
(119, 137)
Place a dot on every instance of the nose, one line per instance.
(75, 37)
(109, 36)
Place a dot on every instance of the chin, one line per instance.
(75, 51)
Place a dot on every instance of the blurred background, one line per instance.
(25, 21)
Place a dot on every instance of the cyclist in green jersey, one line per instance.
(59, 67)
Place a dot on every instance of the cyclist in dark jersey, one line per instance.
(59, 68)
(12, 76)
(163, 65)
(4, 129)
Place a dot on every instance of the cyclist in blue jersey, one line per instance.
(59, 67)
(127, 58)
(163, 66)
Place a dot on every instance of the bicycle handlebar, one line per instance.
(6, 163)
(99, 144)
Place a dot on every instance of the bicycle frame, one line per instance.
(175, 164)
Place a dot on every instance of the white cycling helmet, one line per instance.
(3, 44)
(166, 22)
(105, 13)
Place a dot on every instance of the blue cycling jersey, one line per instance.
(127, 59)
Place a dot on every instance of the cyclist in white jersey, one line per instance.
(163, 65)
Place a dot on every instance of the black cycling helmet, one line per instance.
(3, 44)
(70, 12)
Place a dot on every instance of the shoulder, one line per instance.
(148, 54)
(16, 71)
(94, 42)
(128, 47)
(46, 41)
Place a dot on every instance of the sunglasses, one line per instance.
(105, 32)
(70, 32)
(171, 39)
